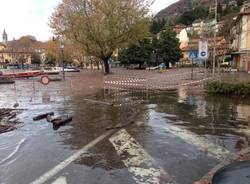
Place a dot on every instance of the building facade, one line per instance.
(13, 57)
(240, 45)
(222, 48)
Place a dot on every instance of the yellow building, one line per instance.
(13, 56)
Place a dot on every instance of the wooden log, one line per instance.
(62, 121)
(43, 116)
(49, 118)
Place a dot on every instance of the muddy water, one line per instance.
(185, 132)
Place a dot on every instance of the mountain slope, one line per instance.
(179, 7)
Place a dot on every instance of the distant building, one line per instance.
(232, 3)
(197, 27)
(240, 34)
(5, 37)
(222, 48)
(13, 56)
(204, 28)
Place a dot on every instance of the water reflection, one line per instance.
(222, 120)
(243, 112)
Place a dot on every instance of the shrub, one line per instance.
(228, 88)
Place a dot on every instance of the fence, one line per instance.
(158, 82)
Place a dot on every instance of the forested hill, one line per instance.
(182, 6)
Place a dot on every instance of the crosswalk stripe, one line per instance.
(61, 180)
(201, 143)
(138, 161)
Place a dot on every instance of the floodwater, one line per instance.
(180, 133)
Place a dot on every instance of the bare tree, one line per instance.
(101, 26)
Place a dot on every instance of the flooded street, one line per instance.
(151, 137)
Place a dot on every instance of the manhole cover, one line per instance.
(236, 173)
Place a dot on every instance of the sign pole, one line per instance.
(215, 36)
(192, 56)
(192, 74)
(205, 68)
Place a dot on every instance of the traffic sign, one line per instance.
(45, 80)
(203, 49)
(192, 54)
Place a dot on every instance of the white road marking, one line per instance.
(14, 152)
(51, 173)
(201, 143)
(61, 180)
(138, 161)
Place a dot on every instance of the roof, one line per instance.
(2, 44)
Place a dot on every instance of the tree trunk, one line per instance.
(140, 66)
(98, 65)
(106, 65)
(167, 64)
(91, 64)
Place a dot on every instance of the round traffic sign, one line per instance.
(203, 54)
(45, 80)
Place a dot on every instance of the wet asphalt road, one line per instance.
(178, 132)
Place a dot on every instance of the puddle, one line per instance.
(167, 129)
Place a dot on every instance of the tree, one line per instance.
(231, 9)
(27, 42)
(137, 53)
(240, 2)
(168, 47)
(158, 25)
(101, 26)
(219, 10)
(35, 59)
(50, 60)
(53, 50)
(155, 27)
(188, 17)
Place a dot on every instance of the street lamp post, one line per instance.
(215, 37)
(62, 48)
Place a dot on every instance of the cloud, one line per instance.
(161, 4)
(26, 17)
(31, 17)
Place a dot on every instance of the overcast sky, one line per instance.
(30, 17)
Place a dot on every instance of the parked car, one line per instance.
(72, 69)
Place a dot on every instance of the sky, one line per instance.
(31, 17)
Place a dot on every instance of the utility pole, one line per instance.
(62, 55)
(215, 36)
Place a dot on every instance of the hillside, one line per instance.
(181, 6)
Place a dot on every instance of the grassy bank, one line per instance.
(228, 88)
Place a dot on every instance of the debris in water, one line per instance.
(16, 105)
(60, 121)
(7, 121)
(43, 116)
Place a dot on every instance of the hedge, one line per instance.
(228, 88)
